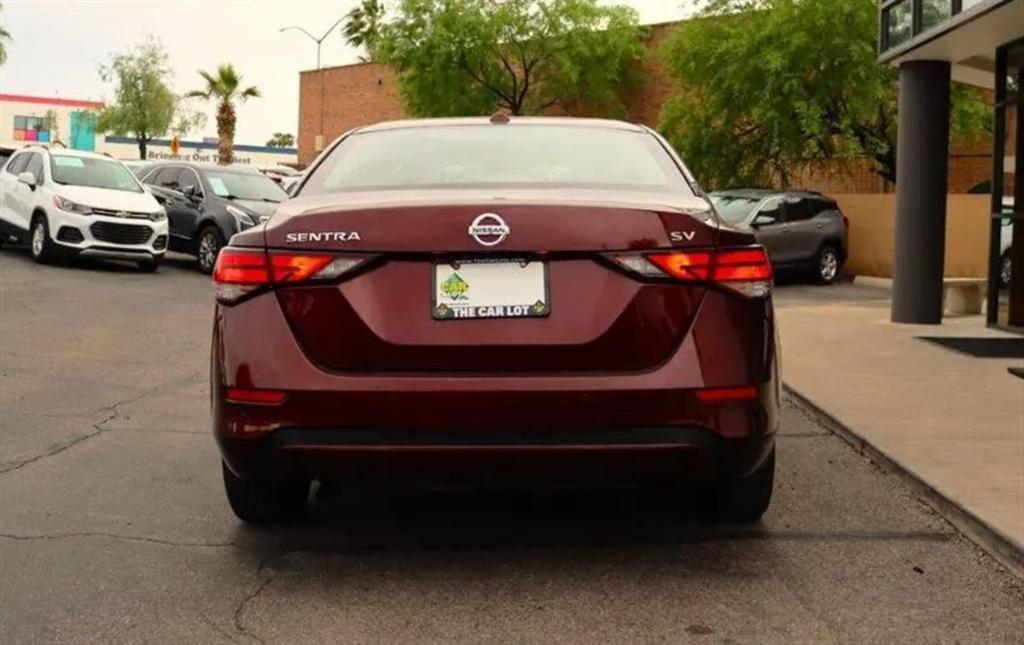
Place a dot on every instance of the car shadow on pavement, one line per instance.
(420, 519)
(21, 253)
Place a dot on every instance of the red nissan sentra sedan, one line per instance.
(543, 300)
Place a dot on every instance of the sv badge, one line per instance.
(680, 236)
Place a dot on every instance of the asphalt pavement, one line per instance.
(114, 527)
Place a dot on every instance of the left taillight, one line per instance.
(240, 272)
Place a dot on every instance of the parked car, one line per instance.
(69, 203)
(279, 173)
(478, 299)
(291, 184)
(139, 168)
(800, 229)
(207, 204)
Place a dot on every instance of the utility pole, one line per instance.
(318, 145)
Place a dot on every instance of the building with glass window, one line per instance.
(979, 42)
(72, 123)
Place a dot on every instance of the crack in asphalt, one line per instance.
(240, 609)
(59, 448)
(117, 536)
(98, 429)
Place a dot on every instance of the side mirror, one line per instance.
(764, 219)
(28, 179)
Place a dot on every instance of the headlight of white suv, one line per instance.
(156, 216)
(70, 206)
(242, 218)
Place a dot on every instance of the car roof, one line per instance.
(512, 121)
(69, 152)
(195, 165)
(761, 193)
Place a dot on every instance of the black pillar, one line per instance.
(1016, 313)
(922, 160)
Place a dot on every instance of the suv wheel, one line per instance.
(208, 247)
(742, 501)
(265, 502)
(41, 246)
(826, 265)
(1005, 270)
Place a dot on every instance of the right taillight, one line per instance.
(746, 270)
(240, 272)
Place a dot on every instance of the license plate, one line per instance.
(479, 288)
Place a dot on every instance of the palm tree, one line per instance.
(362, 24)
(4, 35)
(225, 87)
(281, 140)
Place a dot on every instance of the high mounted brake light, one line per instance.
(746, 270)
(239, 272)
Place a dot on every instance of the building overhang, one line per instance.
(968, 39)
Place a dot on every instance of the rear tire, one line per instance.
(39, 240)
(208, 246)
(148, 266)
(743, 501)
(826, 265)
(265, 502)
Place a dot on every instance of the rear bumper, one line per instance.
(607, 456)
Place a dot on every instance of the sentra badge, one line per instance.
(323, 236)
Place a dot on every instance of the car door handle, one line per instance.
(819, 226)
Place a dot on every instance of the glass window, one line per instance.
(899, 23)
(935, 12)
(95, 173)
(799, 209)
(188, 178)
(734, 208)
(967, 4)
(17, 163)
(35, 166)
(489, 155)
(167, 178)
(244, 185)
(770, 213)
(21, 123)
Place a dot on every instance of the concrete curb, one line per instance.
(871, 281)
(993, 541)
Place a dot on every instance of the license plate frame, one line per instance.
(485, 272)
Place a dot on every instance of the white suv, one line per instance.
(73, 203)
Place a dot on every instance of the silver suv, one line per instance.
(800, 229)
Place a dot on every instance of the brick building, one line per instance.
(337, 99)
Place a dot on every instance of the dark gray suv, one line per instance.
(800, 229)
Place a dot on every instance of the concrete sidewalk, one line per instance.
(952, 421)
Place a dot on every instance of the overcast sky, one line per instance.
(56, 47)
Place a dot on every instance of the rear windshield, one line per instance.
(493, 155)
(95, 173)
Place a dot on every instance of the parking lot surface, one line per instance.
(114, 526)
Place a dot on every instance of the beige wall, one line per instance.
(871, 234)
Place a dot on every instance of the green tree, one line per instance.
(144, 105)
(225, 88)
(281, 140)
(471, 57)
(362, 24)
(766, 85)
